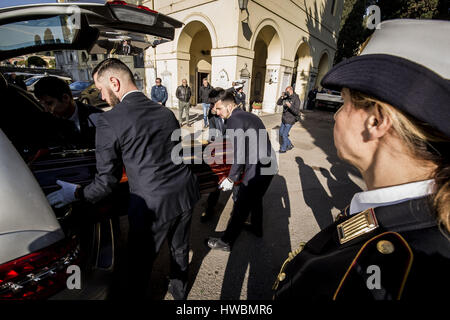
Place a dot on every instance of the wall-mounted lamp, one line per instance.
(243, 4)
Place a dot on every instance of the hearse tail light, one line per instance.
(40, 274)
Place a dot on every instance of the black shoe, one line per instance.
(177, 289)
(290, 147)
(218, 244)
(282, 151)
(253, 229)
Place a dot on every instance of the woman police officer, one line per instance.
(392, 241)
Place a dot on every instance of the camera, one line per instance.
(285, 96)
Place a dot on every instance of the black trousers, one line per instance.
(247, 199)
(213, 198)
(144, 242)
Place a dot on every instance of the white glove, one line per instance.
(63, 196)
(226, 185)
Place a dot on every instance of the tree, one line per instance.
(411, 9)
(353, 32)
(36, 61)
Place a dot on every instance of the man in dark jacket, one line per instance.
(312, 98)
(254, 165)
(217, 128)
(291, 109)
(136, 134)
(240, 96)
(203, 98)
(183, 94)
(55, 95)
(159, 92)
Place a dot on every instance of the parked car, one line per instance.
(329, 99)
(31, 82)
(77, 87)
(91, 95)
(37, 242)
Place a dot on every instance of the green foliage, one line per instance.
(353, 32)
(36, 61)
(411, 9)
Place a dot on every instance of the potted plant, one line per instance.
(257, 105)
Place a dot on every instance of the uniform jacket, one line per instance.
(204, 93)
(159, 94)
(247, 150)
(289, 114)
(406, 257)
(183, 93)
(240, 99)
(136, 134)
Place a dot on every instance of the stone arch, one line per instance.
(264, 23)
(194, 17)
(322, 67)
(194, 61)
(267, 45)
(302, 75)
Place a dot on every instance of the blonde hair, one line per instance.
(423, 142)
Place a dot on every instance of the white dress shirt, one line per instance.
(391, 195)
(123, 97)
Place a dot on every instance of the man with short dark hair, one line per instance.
(136, 134)
(254, 165)
(291, 110)
(55, 95)
(159, 92)
(183, 94)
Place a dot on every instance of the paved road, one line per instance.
(311, 187)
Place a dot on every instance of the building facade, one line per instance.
(79, 65)
(271, 44)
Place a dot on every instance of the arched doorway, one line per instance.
(322, 68)
(194, 60)
(258, 72)
(302, 71)
(266, 67)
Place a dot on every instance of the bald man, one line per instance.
(136, 134)
(183, 94)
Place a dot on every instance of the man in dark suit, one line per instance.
(254, 165)
(136, 134)
(217, 129)
(55, 95)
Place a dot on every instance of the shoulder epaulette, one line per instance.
(359, 224)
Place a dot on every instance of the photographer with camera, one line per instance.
(291, 111)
